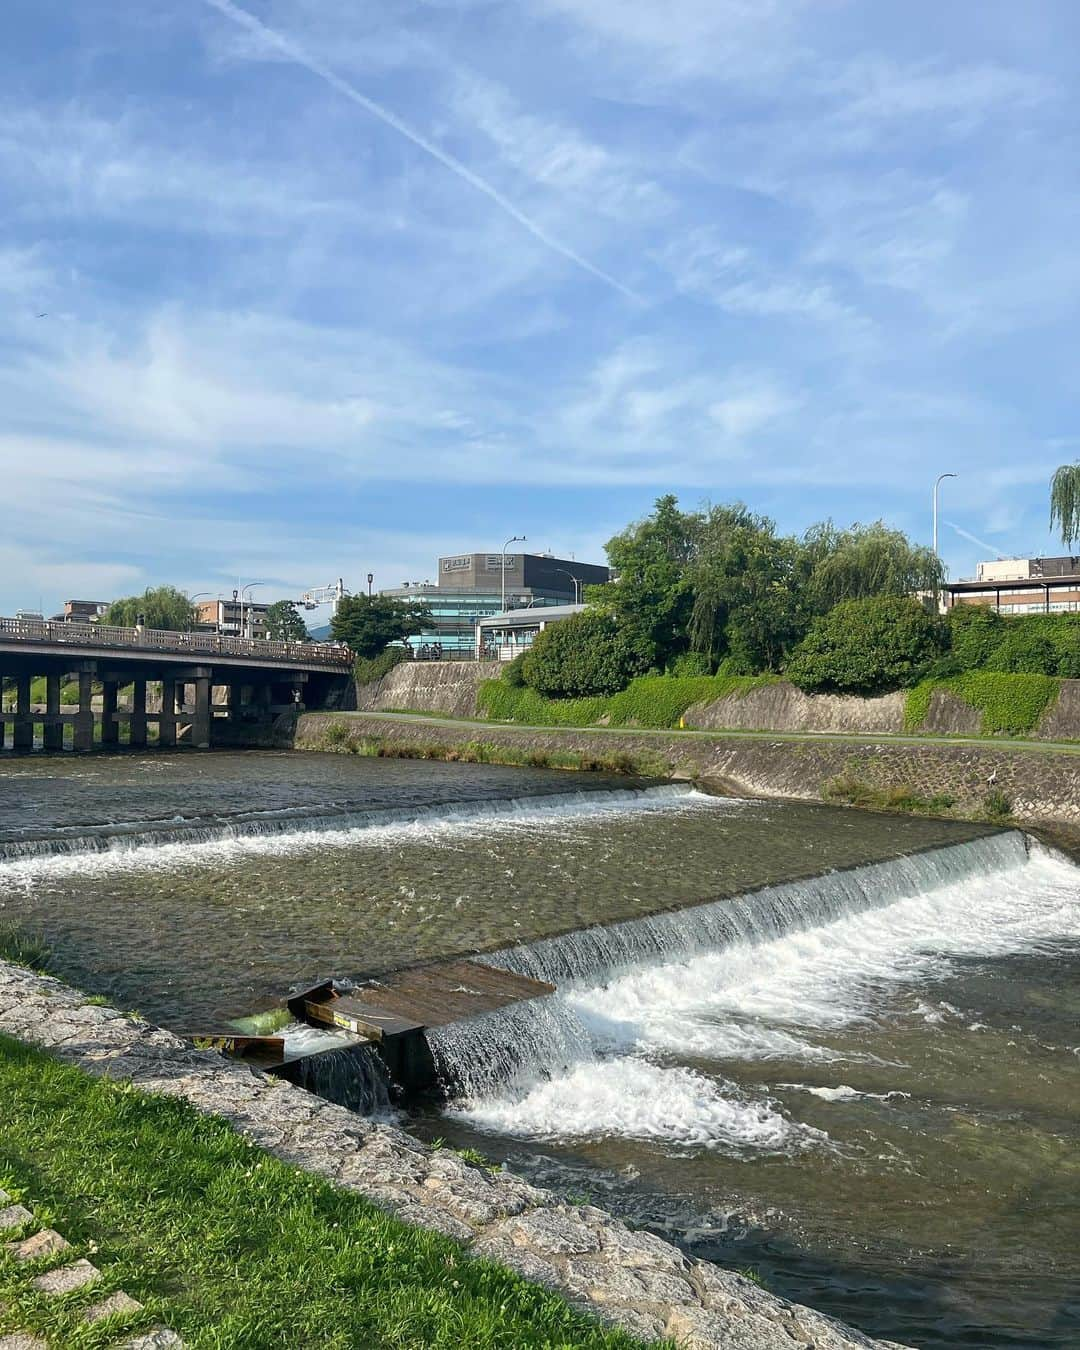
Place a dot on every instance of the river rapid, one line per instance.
(845, 1055)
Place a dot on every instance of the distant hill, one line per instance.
(320, 634)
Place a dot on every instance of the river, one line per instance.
(846, 1054)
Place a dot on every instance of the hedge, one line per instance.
(1011, 705)
(649, 701)
(368, 669)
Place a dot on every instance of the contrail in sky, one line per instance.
(300, 57)
(990, 548)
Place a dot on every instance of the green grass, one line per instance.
(657, 701)
(230, 1247)
(1011, 705)
(22, 947)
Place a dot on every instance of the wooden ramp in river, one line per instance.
(396, 1009)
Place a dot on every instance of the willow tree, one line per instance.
(1065, 503)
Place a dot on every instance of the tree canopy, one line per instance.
(160, 606)
(284, 624)
(1065, 503)
(369, 623)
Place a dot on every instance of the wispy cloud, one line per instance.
(295, 52)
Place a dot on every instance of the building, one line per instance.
(225, 617)
(501, 637)
(470, 587)
(1021, 586)
(81, 611)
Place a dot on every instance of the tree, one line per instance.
(369, 623)
(284, 624)
(1065, 503)
(588, 654)
(867, 646)
(653, 595)
(864, 561)
(161, 607)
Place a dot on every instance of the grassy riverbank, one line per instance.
(229, 1246)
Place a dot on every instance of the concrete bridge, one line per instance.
(251, 679)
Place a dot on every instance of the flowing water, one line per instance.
(841, 1049)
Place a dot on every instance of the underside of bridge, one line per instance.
(53, 702)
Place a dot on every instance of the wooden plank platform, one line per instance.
(420, 996)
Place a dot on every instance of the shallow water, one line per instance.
(866, 1087)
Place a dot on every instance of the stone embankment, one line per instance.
(445, 687)
(450, 689)
(627, 1278)
(1041, 786)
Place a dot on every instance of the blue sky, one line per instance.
(331, 287)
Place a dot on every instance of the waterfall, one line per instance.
(124, 837)
(544, 1037)
(597, 954)
(352, 1076)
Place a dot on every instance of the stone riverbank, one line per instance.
(1041, 786)
(627, 1278)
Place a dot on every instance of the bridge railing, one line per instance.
(159, 639)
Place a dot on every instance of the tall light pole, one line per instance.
(191, 601)
(577, 583)
(937, 484)
(515, 539)
(249, 587)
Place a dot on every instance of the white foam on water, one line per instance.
(635, 1099)
(772, 999)
(393, 828)
(775, 995)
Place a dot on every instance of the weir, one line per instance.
(468, 1027)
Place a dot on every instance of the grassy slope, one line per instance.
(229, 1246)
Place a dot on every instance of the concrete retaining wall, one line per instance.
(446, 687)
(1042, 785)
(782, 707)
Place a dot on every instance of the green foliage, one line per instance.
(231, 1246)
(866, 561)
(690, 663)
(284, 624)
(649, 701)
(1029, 644)
(1011, 705)
(867, 647)
(513, 672)
(368, 670)
(1065, 503)
(161, 607)
(588, 654)
(22, 947)
(997, 806)
(369, 623)
(852, 790)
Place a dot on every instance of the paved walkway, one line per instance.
(52, 1269)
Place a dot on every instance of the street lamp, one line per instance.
(937, 484)
(515, 539)
(574, 579)
(249, 587)
(191, 601)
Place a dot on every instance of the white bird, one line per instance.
(992, 779)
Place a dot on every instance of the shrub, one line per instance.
(975, 633)
(585, 655)
(997, 806)
(690, 664)
(867, 647)
(512, 672)
(369, 669)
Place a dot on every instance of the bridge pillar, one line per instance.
(200, 729)
(137, 733)
(24, 725)
(84, 717)
(54, 728)
(110, 728)
(167, 720)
